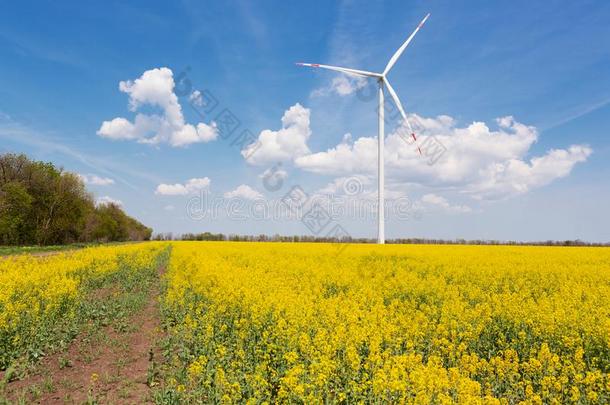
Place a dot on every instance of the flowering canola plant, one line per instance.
(40, 293)
(281, 322)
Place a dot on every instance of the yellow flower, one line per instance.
(284, 322)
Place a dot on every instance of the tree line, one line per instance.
(208, 236)
(42, 204)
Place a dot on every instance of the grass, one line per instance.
(19, 250)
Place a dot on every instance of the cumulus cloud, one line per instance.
(155, 88)
(190, 187)
(341, 85)
(245, 192)
(285, 144)
(485, 163)
(516, 177)
(347, 157)
(438, 202)
(105, 200)
(95, 180)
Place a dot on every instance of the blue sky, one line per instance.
(542, 174)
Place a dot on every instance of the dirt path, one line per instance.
(109, 366)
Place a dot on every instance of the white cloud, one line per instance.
(156, 88)
(517, 177)
(342, 85)
(438, 202)
(245, 192)
(195, 98)
(109, 200)
(360, 191)
(285, 144)
(352, 185)
(346, 158)
(485, 163)
(190, 187)
(95, 180)
(120, 128)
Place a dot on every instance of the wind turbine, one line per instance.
(382, 80)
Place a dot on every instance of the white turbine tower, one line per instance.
(382, 80)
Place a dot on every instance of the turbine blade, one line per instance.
(402, 48)
(354, 72)
(399, 105)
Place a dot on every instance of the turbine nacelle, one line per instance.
(381, 77)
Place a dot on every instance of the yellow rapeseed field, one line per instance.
(309, 323)
(40, 295)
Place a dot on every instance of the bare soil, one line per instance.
(109, 366)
